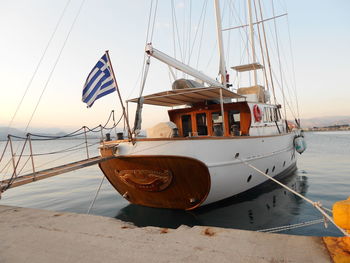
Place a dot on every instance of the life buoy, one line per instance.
(257, 113)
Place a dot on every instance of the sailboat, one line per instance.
(200, 155)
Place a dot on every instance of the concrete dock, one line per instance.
(32, 235)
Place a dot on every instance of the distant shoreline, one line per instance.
(330, 128)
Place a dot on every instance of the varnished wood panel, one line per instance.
(242, 107)
(189, 186)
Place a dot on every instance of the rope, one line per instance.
(5, 166)
(317, 205)
(292, 226)
(3, 153)
(69, 149)
(61, 157)
(24, 165)
(98, 190)
(48, 137)
(14, 175)
(72, 134)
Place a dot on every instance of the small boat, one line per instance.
(200, 155)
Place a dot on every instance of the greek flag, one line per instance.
(99, 82)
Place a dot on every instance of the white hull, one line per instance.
(229, 176)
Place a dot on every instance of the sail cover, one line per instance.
(187, 96)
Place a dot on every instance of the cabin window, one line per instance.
(202, 126)
(265, 117)
(277, 113)
(235, 122)
(217, 124)
(274, 114)
(272, 118)
(186, 125)
(268, 115)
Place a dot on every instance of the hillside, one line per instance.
(305, 123)
(325, 121)
(4, 131)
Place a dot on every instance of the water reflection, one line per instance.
(257, 209)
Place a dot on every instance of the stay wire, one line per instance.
(202, 33)
(39, 63)
(55, 64)
(189, 33)
(197, 30)
(154, 20)
(148, 40)
(177, 30)
(293, 68)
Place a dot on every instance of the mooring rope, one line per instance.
(317, 205)
(97, 192)
(292, 226)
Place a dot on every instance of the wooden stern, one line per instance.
(159, 181)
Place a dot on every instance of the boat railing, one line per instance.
(18, 157)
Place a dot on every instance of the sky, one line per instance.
(320, 41)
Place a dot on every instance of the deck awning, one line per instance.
(187, 96)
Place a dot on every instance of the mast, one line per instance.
(222, 59)
(251, 38)
(222, 67)
(126, 118)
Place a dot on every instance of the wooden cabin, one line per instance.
(206, 120)
(203, 114)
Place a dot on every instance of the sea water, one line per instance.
(323, 175)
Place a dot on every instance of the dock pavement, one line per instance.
(33, 235)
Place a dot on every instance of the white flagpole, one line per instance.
(120, 98)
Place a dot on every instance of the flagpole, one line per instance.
(120, 98)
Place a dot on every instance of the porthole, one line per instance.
(249, 178)
(273, 168)
(267, 171)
